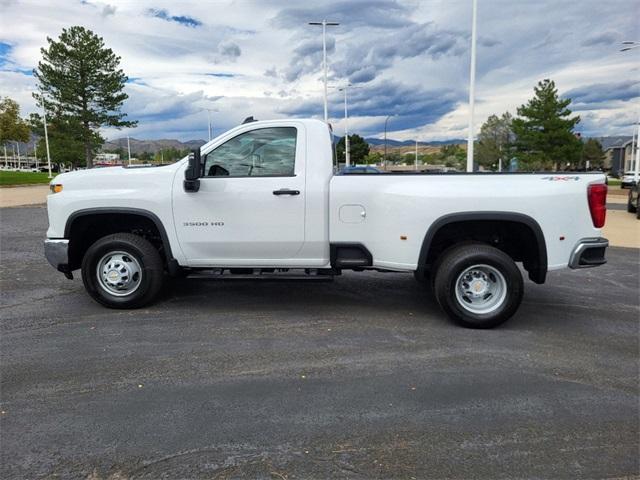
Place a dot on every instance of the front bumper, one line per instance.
(57, 253)
(589, 252)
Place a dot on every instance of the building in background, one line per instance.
(618, 155)
(106, 159)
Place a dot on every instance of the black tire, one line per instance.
(455, 261)
(145, 254)
(631, 208)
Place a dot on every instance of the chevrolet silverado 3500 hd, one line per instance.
(263, 197)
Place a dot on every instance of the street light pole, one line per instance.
(346, 130)
(46, 139)
(472, 86)
(209, 117)
(630, 45)
(129, 149)
(19, 159)
(385, 142)
(324, 24)
(346, 125)
(416, 161)
(636, 170)
(633, 143)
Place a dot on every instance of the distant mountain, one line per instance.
(407, 143)
(151, 146)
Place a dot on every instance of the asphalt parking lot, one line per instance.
(362, 377)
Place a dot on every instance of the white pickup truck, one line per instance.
(263, 198)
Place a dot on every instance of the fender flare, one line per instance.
(125, 210)
(537, 275)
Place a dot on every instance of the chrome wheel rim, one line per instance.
(481, 289)
(119, 273)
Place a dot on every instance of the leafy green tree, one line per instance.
(64, 134)
(12, 127)
(373, 158)
(80, 82)
(394, 158)
(428, 158)
(358, 149)
(495, 141)
(593, 153)
(544, 130)
(145, 156)
(453, 156)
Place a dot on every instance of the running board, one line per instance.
(258, 274)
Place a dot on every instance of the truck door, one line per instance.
(250, 209)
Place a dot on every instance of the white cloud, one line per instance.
(261, 58)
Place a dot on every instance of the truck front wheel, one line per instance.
(477, 285)
(122, 271)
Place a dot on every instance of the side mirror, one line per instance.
(192, 173)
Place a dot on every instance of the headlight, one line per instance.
(55, 187)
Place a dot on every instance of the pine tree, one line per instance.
(80, 84)
(544, 130)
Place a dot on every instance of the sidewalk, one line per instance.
(622, 229)
(29, 195)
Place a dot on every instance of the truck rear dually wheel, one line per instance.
(477, 285)
(122, 271)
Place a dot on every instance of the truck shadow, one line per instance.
(388, 293)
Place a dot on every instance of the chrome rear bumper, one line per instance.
(589, 252)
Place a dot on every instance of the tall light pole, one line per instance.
(129, 149)
(346, 128)
(633, 142)
(209, 110)
(472, 87)
(324, 24)
(385, 141)
(636, 172)
(346, 124)
(19, 159)
(416, 161)
(636, 166)
(46, 139)
(630, 45)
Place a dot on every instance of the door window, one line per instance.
(265, 152)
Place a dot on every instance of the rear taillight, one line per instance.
(597, 196)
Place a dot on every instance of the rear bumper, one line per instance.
(56, 252)
(589, 252)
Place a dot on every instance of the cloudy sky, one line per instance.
(407, 59)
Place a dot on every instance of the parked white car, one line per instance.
(264, 196)
(627, 180)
